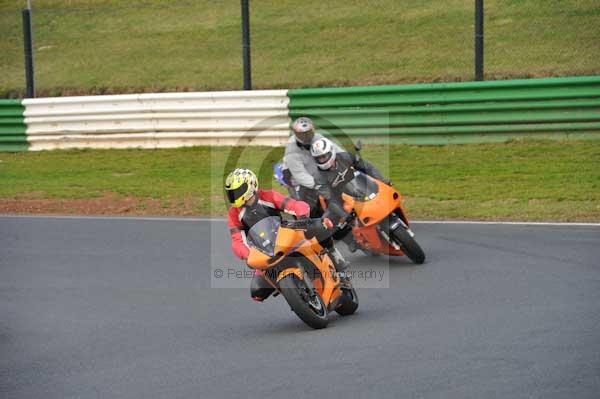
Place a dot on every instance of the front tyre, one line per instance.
(308, 305)
(409, 245)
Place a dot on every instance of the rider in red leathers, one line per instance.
(250, 205)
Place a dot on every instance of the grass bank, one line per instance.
(522, 180)
(111, 46)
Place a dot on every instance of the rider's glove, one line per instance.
(327, 223)
(244, 253)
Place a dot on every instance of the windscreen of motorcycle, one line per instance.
(362, 187)
(263, 235)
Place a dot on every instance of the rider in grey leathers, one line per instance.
(299, 167)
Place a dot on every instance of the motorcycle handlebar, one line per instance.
(312, 227)
(300, 224)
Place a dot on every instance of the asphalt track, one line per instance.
(122, 308)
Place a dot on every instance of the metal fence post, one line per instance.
(478, 39)
(28, 44)
(246, 45)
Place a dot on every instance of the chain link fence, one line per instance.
(108, 46)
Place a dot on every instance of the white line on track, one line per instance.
(506, 223)
(196, 219)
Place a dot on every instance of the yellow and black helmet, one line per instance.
(240, 186)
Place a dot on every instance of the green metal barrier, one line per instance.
(12, 126)
(457, 112)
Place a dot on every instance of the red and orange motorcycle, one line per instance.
(377, 218)
(297, 266)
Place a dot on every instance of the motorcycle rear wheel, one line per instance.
(309, 307)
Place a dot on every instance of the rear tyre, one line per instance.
(348, 302)
(308, 306)
(409, 246)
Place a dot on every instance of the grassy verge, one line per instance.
(530, 180)
(111, 46)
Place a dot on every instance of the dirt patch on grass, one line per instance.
(107, 204)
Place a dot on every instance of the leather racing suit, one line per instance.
(240, 220)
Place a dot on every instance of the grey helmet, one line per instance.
(304, 130)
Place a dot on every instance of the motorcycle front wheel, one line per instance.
(307, 305)
(409, 245)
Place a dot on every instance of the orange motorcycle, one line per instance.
(297, 266)
(377, 219)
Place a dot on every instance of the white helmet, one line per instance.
(323, 152)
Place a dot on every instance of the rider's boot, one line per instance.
(350, 242)
(260, 289)
(339, 261)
